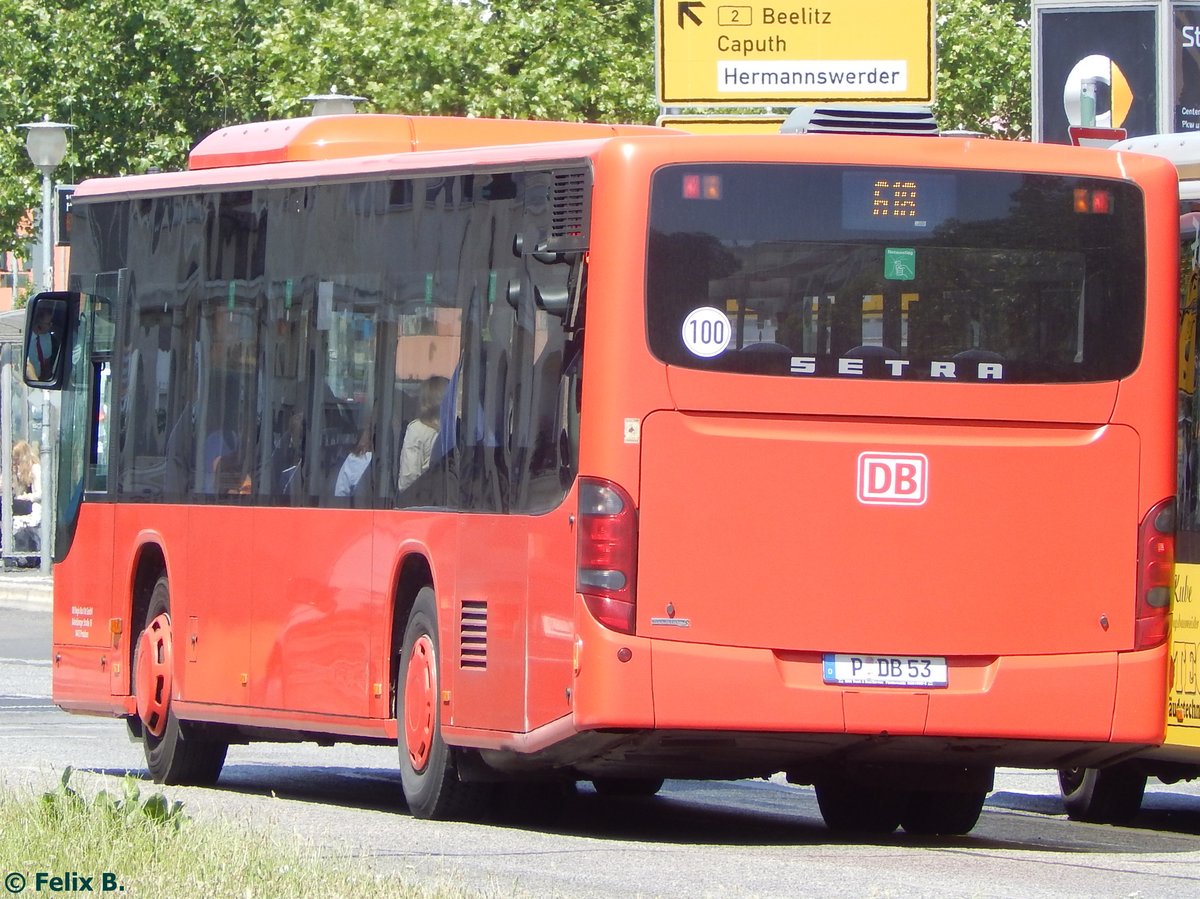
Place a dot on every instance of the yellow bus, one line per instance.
(1114, 794)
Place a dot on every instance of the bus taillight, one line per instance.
(1156, 575)
(606, 553)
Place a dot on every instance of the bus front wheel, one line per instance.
(176, 752)
(428, 770)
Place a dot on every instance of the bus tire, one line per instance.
(177, 752)
(428, 768)
(850, 808)
(628, 787)
(938, 813)
(1102, 795)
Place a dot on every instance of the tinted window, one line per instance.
(813, 271)
(378, 344)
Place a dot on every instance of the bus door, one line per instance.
(211, 609)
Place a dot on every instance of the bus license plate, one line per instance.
(885, 671)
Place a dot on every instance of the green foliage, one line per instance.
(151, 848)
(142, 80)
(65, 803)
(983, 55)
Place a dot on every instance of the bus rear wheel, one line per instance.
(1102, 795)
(937, 813)
(428, 769)
(176, 752)
(852, 808)
(628, 787)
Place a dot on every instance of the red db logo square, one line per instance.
(893, 479)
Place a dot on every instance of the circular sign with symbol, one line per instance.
(706, 332)
(1097, 93)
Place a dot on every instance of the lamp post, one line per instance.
(333, 103)
(46, 144)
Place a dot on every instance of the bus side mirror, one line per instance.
(48, 320)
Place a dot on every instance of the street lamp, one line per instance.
(333, 103)
(46, 144)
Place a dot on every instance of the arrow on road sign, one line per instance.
(685, 9)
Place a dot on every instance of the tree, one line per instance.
(140, 81)
(983, 54)
(143, 80)
(568, 59)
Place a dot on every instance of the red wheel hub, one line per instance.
(420, 698)
(152, 675)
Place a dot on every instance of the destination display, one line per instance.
(760, 52)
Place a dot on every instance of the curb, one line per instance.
(26, 591)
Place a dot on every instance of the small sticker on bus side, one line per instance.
(633, 430)
(706, 332)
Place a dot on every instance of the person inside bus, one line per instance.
(220, 460)
(287, 459)
(355, 465)
(43, 347)
(416, 452)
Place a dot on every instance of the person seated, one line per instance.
(354, 465)
(419, 437)
(27, 497)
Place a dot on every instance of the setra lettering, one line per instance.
(942, 370)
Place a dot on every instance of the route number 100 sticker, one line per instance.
(706, 332)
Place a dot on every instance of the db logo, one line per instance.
(893, 479)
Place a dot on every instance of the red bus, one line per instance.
(575, 452)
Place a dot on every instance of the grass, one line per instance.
(147, 846)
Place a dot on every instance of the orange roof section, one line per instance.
(342, 136)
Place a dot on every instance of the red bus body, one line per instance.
(756, 552)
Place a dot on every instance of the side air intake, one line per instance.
(570, 210)
(472, 650)
(913, 121)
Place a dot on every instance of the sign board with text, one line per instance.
(762, 52)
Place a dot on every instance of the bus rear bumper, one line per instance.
(1029, 711)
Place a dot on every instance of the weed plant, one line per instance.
(150, 847)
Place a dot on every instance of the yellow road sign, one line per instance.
(780, 52)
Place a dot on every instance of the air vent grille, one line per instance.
(570, 209)
(906, 120)
(473, 635)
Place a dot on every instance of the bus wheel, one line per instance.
(1102, 795)
(629, 787)
(427, 765)
(858, 809)
(176, 752)
(938, 813)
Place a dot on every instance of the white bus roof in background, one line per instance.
(1183, 150)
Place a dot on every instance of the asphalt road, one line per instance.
(747, 838)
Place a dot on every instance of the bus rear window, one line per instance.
(852, 271)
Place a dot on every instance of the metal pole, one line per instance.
(46, 432)
(6, 435)
(47, 228)
(49, 484)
